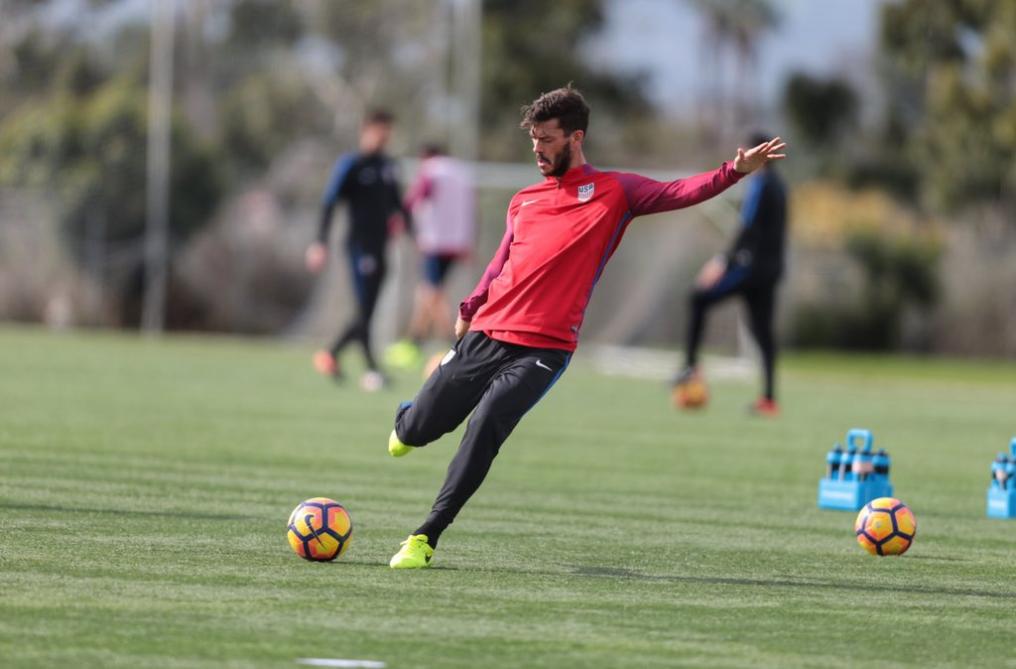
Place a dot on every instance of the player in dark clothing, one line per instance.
(752, 269)
(367, 180)
(521, 323)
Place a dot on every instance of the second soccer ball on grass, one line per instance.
(885, 526)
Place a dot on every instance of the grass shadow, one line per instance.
(853, 586)
(844, 585)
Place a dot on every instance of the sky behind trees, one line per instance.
(664, 38)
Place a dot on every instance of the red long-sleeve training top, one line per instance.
(559, 235)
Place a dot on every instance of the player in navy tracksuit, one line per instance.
(752, 269)
(367, 180)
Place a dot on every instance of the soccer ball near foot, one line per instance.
(885, 526)
(319, 529)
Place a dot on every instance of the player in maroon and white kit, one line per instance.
(444, 220)
(520, 325)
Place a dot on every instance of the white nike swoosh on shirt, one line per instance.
(525, 202)
(539, 363)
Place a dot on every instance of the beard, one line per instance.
(559, 165)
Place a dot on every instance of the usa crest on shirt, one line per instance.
(586, 192)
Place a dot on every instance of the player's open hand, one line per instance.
(757, 156)
(316, 257)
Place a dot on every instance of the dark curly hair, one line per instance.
(378, 116)
(565, 104)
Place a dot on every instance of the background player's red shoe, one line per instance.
(764, 406)
(326, 364)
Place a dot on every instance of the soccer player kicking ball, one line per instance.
(520, 325)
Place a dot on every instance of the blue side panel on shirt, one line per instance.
(618, 229)
(751, 202)
(610, 247)
(339, 173)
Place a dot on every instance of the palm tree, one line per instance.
(733, 26)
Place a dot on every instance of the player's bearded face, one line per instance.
(552, 148)
(560, 162)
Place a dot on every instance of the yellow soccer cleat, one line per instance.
(415, 553)
(396, 448)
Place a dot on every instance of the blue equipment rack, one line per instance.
(844, 488)
(1002, 499)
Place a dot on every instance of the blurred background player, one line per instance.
(444, 222)
(367, 181)
(752, 269)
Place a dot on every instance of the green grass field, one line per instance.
(145, 486)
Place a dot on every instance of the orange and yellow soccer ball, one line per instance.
(692, 394)
(319, 529)
(885, 526)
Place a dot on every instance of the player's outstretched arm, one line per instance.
(747, 161)
(647, 196)
(317, 253)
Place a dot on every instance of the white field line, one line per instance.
(657, 365)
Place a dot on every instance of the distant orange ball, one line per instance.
(885, 526)
(692, 394)
(319, 529)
